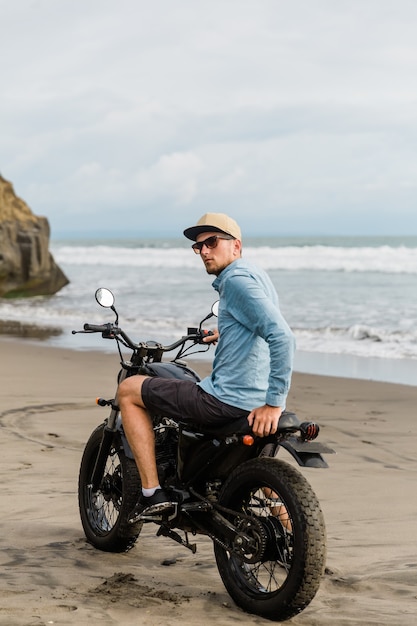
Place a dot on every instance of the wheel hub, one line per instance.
(111, 486)
(250, 542)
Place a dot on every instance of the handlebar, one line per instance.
(110, 331)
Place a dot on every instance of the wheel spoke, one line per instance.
(104, 505)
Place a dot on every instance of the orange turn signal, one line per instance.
(248, 440)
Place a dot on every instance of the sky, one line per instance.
(295, 118)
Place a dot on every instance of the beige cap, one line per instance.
(216, 222)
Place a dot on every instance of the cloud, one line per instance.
(303, 110)
(174, 175)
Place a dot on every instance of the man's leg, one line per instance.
(138, 429)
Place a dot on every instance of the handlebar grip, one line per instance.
(102, 328)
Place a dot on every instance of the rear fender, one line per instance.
(306, 453)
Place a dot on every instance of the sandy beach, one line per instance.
(50, 575)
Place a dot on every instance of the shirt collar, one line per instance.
(219, 279)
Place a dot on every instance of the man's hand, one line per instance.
(212, 338)
(264, 420)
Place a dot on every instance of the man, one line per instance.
(251, 369)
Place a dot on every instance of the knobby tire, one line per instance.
(104, 513)
(288, 573)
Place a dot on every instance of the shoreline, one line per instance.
(384, 370)
(387, 370)
(51, 575)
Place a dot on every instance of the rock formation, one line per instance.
(27, 268)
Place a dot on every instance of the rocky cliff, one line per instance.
(27, 268)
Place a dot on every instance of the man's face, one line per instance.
(225, 252)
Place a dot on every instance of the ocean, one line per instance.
(351, 301)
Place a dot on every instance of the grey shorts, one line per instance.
(185, 401)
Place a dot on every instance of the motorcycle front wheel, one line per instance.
(104, 513)
(278, 573)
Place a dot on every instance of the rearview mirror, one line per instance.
(105, 297)
(215, 308)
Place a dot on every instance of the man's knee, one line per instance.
(130, 389)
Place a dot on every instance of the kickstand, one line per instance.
(167, 532)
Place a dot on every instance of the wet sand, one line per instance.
(49, 574)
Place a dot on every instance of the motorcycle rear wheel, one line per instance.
(104, 512)
(284, 575)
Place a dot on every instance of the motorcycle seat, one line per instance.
(288, 422)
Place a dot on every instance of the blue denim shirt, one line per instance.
(254, 356)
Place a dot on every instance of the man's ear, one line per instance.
(237, 247)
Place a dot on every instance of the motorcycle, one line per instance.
(261, 514)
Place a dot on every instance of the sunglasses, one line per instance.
(210, 243)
